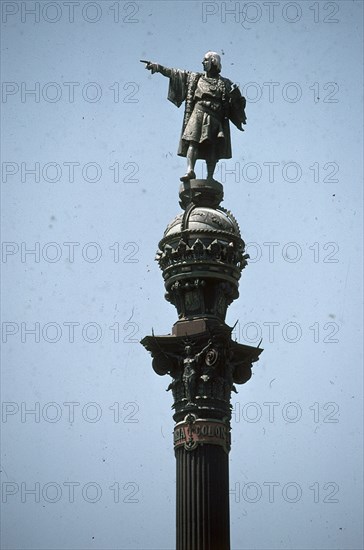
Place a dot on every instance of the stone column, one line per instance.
(202, 256)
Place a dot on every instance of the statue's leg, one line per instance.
(211, 161)
(192, 152)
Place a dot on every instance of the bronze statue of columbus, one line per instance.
(211, 101)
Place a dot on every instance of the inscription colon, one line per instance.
(202, 431)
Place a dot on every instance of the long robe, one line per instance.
(182, 87)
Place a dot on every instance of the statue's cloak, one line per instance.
(182, 87)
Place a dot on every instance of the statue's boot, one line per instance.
(189, 176)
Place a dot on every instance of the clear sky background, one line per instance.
(93, 465)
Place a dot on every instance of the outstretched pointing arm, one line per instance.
(156, 68)
(178, 81)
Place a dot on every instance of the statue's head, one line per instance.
(188, 350)
(211, 58)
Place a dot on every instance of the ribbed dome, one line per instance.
(203, 219)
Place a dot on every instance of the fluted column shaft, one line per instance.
(202, 511)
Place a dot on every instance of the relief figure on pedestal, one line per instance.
(191, 371)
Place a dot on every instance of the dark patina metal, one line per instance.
(202, 256)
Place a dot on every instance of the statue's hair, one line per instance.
(215, 59)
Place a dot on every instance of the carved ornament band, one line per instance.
(196, 431)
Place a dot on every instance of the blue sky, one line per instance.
(90, 180)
